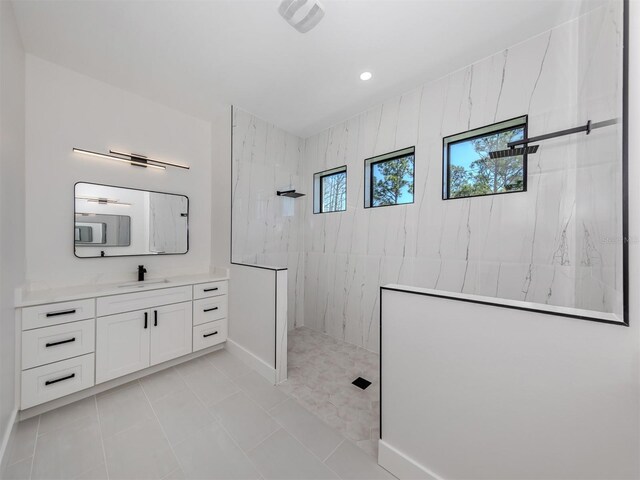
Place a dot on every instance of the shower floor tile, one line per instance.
(320, 372)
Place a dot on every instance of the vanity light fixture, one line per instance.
(161, 162)
(364, 76)
(104, 201)
(132, 160)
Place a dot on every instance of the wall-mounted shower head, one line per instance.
(514, 151)
(289, 193)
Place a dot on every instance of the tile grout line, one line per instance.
(35, 445)
(222, 427)
(282, 427)
(104, 451)
(334, 450)
(164, 433)
(316, 417)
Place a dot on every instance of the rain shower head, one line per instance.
(289, 193)
(514, 151)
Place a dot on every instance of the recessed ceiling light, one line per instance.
(365, 76)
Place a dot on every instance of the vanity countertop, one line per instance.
(27, 298)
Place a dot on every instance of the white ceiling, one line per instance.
(198, 56)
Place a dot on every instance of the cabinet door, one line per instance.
(122, 344)
(171, 331)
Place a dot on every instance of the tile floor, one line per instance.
(320, 371)
(210, 418)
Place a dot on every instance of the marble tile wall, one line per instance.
(267, 229)
(558, 243)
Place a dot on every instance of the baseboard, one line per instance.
(259, 365)
(116, 382)
(9, 430)
(401, 465)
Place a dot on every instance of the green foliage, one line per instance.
(391, 179)
(486, 175)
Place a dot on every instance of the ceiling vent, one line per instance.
(302, 15)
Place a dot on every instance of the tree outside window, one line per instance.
(392, 181)
(334, 192)
(472, 172)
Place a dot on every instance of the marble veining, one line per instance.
(267, 229)
(557, 244)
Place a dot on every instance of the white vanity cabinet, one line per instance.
(73, 345)
(123, 344)
(171, 332)
(57, 345)
(128, 342)
(209, 314)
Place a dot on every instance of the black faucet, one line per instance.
(141, 272)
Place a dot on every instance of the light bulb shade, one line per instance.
(302, 15)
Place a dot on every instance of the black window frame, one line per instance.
(446, 161)
(369, 164)
(318, 193)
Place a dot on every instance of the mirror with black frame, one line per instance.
(117, 221)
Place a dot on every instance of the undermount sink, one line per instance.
(144, 283)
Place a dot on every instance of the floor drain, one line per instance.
(361, 383)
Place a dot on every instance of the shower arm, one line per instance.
(584, 128)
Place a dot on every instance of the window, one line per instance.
(389, 178)
(469, 170)
(330, 190)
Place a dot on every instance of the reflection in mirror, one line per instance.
(106, 230)
(116, 221)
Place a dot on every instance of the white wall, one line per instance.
(221, 188)
(12, 210)
(66, 110)
(546, 397)
(475, 391)
(555, 243)
(258, 319)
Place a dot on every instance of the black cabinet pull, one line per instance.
(53, 344)
(50, 382)
(146, 317)
(210, 334)
(155, 318)
(63, 312)
(210, 289)
(210, 309)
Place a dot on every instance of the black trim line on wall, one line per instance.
(625, 163)
(380, 365)
(501, 305)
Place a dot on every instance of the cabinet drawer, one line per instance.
(211, 289)
(209, 309)
(209, 334)
(128, 302)
(42, 384)
(51, 344)
(57, 313)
